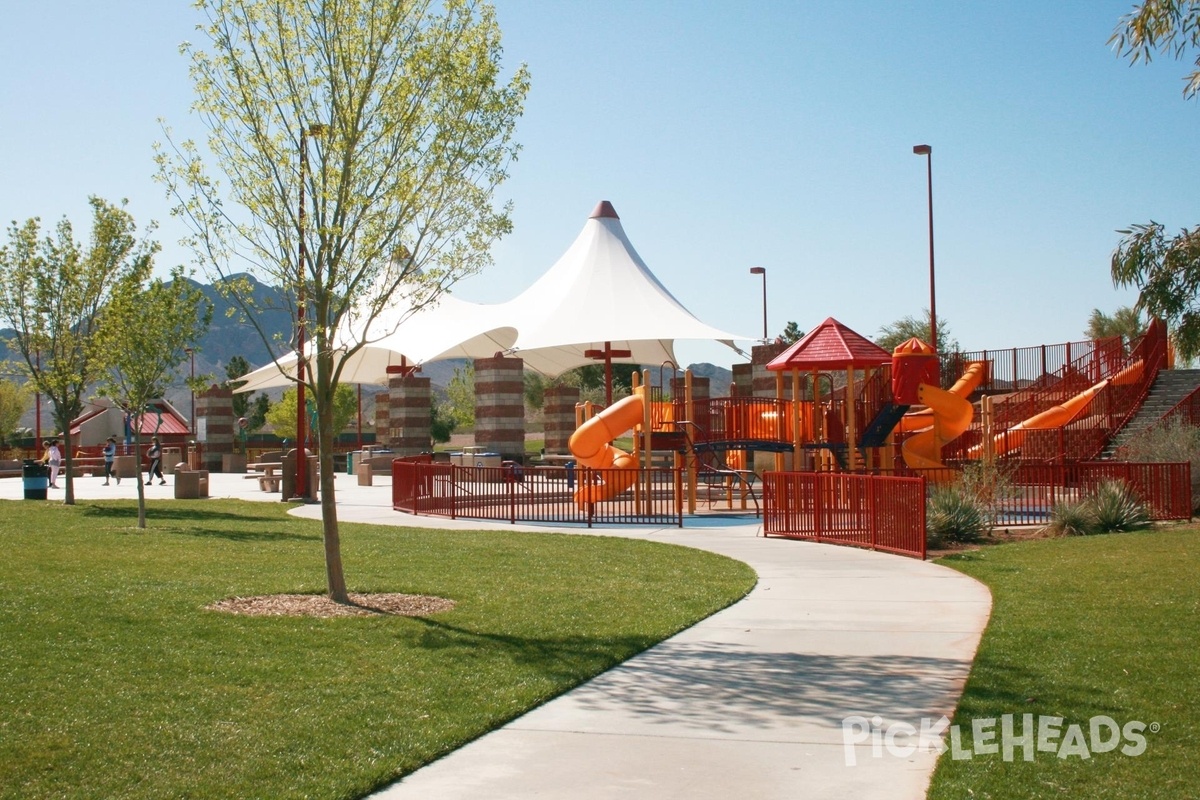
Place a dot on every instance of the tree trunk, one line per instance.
(334, 576)
(68, 460)
(141, 487)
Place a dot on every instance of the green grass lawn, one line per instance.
(118, 683)
(1086, 627)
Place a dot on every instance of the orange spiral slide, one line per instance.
(949, 414)
(591, 444)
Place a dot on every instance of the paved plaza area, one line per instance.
(751, 702)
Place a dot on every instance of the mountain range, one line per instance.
(231, 334)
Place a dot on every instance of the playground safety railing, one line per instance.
(1023, 368)
(512, 493)
(872, 511)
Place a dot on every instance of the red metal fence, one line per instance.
(543, 494)
(873, 511)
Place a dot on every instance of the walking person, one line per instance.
(53, 457)
(110, 454)
(154, 453)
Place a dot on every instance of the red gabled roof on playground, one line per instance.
(831, 345)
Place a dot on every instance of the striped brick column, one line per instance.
(743, 380)
(383, 419)
(500, 406)
(559, 413)
(214, 413)
(764, 379)
(410, 415)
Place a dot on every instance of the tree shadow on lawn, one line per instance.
(205, 521)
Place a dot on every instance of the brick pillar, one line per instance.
(743, 380)
(559, 413)
(383, 419)
(214, 407)
(500, 406)
(410, 415)
(764, 379)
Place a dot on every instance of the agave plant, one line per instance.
(1115, 507)
(955, 515)
(1070, 519)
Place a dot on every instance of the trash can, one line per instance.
(288, 477)
(36, 479)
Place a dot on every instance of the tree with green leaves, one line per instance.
(282, 415)
(460, 397)
(253, 411)
(53, 292)
(148, 326)
(791, 333)
(411, 123)
(14, 401)
(1125, 322)
(1164, 269)
(910, 327)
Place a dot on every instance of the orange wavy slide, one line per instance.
(948, 415)
(591, 444)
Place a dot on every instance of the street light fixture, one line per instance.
(763, 271)
(192, 385)
(927, 151)
(316, 129)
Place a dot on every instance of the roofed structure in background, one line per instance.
(831, 345)
(103, 418)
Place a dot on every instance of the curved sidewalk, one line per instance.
(749, 702)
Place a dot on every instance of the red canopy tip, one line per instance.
(604, 210)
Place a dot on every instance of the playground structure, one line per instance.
(888, 418)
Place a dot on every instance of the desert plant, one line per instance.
(1171, 440)
(1115, 507)
(1111, 508)
(1070, 519)
(954, 513)
(991, 484)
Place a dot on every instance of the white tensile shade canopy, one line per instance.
(600, 295)
(597, 299)
(447, 328)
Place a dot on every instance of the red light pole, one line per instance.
(927, 151)
(763, 271)
(315, 129)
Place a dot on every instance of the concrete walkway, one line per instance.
(747, 703)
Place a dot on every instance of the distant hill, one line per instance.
(231, 334)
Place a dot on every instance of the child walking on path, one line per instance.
(155, 456)
(110, 454)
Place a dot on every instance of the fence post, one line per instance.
(453, 492)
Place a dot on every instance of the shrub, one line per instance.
(1111, 508)
(1172, 440)
(1070, 519)
(955, 514)
(991, 484)
(1115, 507)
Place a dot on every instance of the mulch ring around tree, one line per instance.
(319, 605)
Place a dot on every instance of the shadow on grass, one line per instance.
(250, 523)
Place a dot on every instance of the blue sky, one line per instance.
(727, 135)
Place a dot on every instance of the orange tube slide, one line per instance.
(949, 415)
(1059, 415)
(970, 379)
(591, 444)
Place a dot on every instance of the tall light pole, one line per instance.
(192, 385)
(316, 129)
(763, 271)
(927, 151)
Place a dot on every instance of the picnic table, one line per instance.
(268, 474)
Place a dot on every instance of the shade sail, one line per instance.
(448, 328)
(599, 296)
(601, 291)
